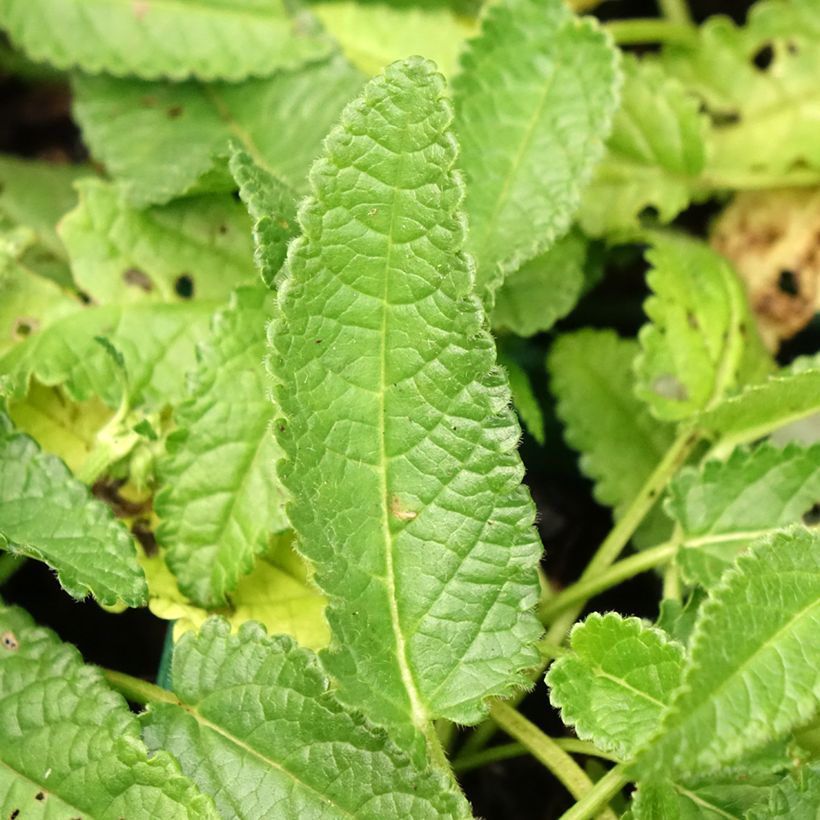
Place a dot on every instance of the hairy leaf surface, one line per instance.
(258, 728)
(617, 683)
(45, 513)
(221, 499)
(701, 340)
(160, 140)
(399, 442)
(795, 798)
(754, 665)
(70, 747)
(223, 39)
(534, 102)
(724, 506)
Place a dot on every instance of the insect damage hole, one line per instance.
(184, 286)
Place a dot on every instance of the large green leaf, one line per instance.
(701, 341)
(70, 747)
(754, 667)
(724, 506)
(617, 682)
(221, 499)
(45, 513)
(196, 247)
(257, 727)
(209, 39)
(534, 100)
(158, 140)
(398, 437)
(653, 157)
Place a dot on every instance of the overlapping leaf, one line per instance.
(221, 499)
(399, 442)
(257, 727)
(45, 513)
(795, 798)
(701, 342)
(160, 140)
(534, 100)
(523, 396)
(69, 746)
(223, 39)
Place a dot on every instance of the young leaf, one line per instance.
(195, 247)
(701, 341)
(182, 129)
(543, 290)
(795, 798)
(653, 157)
(725, 506)
(617, 682)
(398, 437)
(763, 617)
(619, 441)
(534, 103)
(223, 40)
(257, 727)
(220, 498)
(45, 513)
(272, 205)
(69, 746)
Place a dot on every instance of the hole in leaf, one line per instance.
(9, 641)
(789, 283)
(24, 327)
(40, 796)
(184, 286)
(811, 518)
(15, 814)
(138, 279)
(763, 57)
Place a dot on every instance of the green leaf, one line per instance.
(69, 746)
(221, 499)
(45, 513)
(398, 437)
(156, 341)
(523, 397)
(754, 667)
(199, 246)
(534, 103)
(543, 290)
(372, 35)
(158, 140)
(701, 341)
(617, 682)
(653, 157)
(795, 798)
(724, 506)
(223, 39)
(619, 441)
(272, 205)
(258, 728)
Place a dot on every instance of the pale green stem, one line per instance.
(545, 750)
(506, 751)
(727, 179)
(595, 802)
(676, 11)
(137, 690)
(9, 564)
(649, 30)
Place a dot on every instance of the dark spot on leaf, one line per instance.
(763, 57)
(108, 491)
(184, 286)
(148, 101)
(174, 111)
(670, 387)
(722, 118)
(318, 342)
(24, 326)
(138, 279)
(649, 214)
(15, 814)
(9, 641)
(284, 224)
(281, 428)
(789, 283)
(141, 530)
(40, 796)
(236, 196)
(84, 297)
(692, 320)
(792, 47)
(223, 229)
(811, 518)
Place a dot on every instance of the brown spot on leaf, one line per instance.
(24, 326)
(397, 510)
(138, 279)
(9, 641)
(174, 111)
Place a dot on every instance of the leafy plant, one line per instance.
(260, 366)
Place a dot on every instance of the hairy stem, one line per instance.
(676, 11)
(594, 802)
(137, 690)
(649, 30)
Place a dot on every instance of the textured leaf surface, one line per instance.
(221, 498)
(617, 683)
(258, 728)
(223, 39)
(653, 157)
(45, 513)
(159, 139)
(523, 396)
(701, 340)
(754, 666)
(795, 798)
(725, 506)
(534, 100)
(272, 206)
(69, 746)
(543, 290)
(399, 442)
(619, 441)
(196, 247)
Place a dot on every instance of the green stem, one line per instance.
(720, 179)
(676, 11)
(545, 750)
(594, 802)
(505, 751)
(9, 564)
(137, 690)
(649, 30)
(583, 590)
